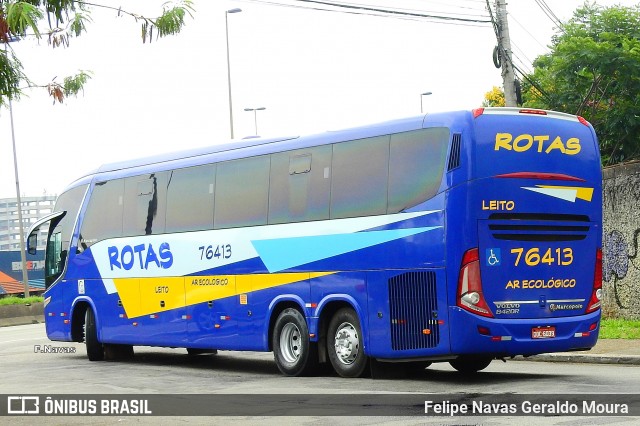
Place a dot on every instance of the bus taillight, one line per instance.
(596, 294)
(470, 296)
(533, 111)
(583, 121)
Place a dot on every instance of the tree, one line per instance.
(59, 21)
(494, 98)
(593, 70)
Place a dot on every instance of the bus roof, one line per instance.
(254, 146)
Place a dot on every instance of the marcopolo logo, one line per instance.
(141, 256)
(565, 307)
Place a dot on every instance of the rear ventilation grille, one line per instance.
(538, 227)
(454, 155)
(413, 311)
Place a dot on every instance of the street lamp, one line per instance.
(226, 23)
(23, 257)
(255, 116)
(421, 95)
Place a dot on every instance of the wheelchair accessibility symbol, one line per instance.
(493, 257)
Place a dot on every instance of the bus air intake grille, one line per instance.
(539, 227)
(454, 155)
(413, 311)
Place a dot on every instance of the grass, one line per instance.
(619, 329)
(12, 300)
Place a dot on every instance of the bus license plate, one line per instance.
(543, 332)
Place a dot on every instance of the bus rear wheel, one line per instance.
(470, 364)
(95, 349)
(294, 354)
(117, 352)
(345, 344)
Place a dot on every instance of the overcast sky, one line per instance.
(312, 70)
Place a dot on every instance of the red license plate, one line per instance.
(543, 332)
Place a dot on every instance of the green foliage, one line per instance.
(169, 23)
(172, 19)
(619, 329)
(21, 17)
(10, 76)
(79, 23)
(12, 300)
(593, 70)
(74, 84)
(65, 19)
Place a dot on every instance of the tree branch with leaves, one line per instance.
(593, 70)
(59, 21)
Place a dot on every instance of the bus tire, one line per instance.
(471, 364)
(345, 344)
(95, 349)
(294, 354)
(117, 352)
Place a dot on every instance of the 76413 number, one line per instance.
(222, 251)
(535, 256)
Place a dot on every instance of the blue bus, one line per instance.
(460, 237)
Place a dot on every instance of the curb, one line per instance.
(584, 359)
(21, 314)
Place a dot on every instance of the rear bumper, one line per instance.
(513, 337)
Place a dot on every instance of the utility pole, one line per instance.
(23, 254)
(504, 52)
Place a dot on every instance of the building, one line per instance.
(33, 208)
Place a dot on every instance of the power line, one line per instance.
(527, 31)
(543, 2)
(479, 2)
(393, 11)
(547, 11)
(523, 63)
(377, 12)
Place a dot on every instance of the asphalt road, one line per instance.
(27, 368)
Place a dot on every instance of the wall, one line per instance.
(21, 314)
(621, 266)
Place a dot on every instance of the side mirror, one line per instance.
(32, 241)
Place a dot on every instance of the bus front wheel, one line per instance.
(345, 344)
(95, 349)
(470, 364)
(294, 354)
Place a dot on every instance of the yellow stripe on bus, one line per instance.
(145, 296)
(582, 193)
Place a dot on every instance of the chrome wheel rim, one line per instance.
(290, 343)
(347, 343)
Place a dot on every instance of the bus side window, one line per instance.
(190, 199)
(416, 166)
(103, 217)
(359, 177)
(144, 204)
(299, 185)
(242, 192)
